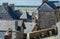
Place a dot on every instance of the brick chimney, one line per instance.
(5, 5)
(44, 1)
(12, 6)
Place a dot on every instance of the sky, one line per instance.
(24, 2)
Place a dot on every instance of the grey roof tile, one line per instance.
(29, 26)
(45, 7)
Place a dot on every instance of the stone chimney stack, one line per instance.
(5, 5)
(8, 34)
(12, 6)
(44, 1)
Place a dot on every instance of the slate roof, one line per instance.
(4, 15)
(2, 10)
(10, 14)
(25, 16)
(57, 4)
(29, 26)
(19, 12)
(53, 1)
(13, 13)
(4, 25)
(50, 3)
(11, 25)
(28, 16)
(46, 7)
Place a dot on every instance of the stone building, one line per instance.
(7, 12)
(58, 12)
(46, 14)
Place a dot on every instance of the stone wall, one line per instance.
(46, 19)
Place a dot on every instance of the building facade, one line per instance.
(46, 15)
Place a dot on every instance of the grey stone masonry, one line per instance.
(46, 19)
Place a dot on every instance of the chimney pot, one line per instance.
(45, 1)
(12, 6)
(5, 5)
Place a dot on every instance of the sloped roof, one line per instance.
(23, 16)
(45, 7)
(54, 1)
(18, 12)
(2, 10)
(10, 24)
(50, 3)
(10, 14)
(29, 26)
(57, 4)
(4, 15)
(26, 16)
(13, 13)
(4, 25)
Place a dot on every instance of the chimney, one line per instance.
(45, 1)
(8, 34)
(5, 5)
(12, 6)
(16, 24)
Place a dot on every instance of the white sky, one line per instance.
(24, 2)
